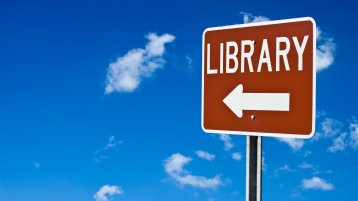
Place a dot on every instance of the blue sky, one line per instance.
(100, 100)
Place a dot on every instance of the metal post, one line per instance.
(253, 168)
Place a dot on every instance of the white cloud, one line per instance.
(228, 144)
(284, 168)
(236, 156)
(264, 165)
(127, 72)
(174, 167)
(324, 45)
(338, 144)
(106, 191)
(199, 181)
(321, 113)
(189, 60)
(295, 144)
(331, 127)
(155, 47)
(205, 155)
(112, 142)
(317, 183)
(324, 51)
(249, 18)
(305, 165)
(103, 153)
(354, 134)
(175, 163)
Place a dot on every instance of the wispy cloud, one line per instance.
(205, 155)
(189, 61)
(339, 144)
(249, 18)
(317, 183)
(236, 156)
(331, 127)
(107, 191)
(295, 144)
(112, 142)
(353, 125)
(284, 168)
(325, 44)
(228, 144)
(127, 72)
(296, 195)
(264, 164)
(305, 165)
(174, 167)
(102, 153)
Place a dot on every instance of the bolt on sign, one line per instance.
(260, 78)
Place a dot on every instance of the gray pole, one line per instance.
(253, 168)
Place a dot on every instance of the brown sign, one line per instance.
(260, 78)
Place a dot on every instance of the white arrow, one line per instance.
(238, 101)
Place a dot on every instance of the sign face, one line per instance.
(260, 79)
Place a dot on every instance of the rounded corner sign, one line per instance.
(260, 78)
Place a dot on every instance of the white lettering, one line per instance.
(208, 69)
(247, 55)
(235, 60)
(231, 56)
(300, 50)
(282, 53)
(264, 57)
(221, 58)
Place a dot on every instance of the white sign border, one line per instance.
(266, 134)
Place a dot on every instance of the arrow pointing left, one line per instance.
(238, 101)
